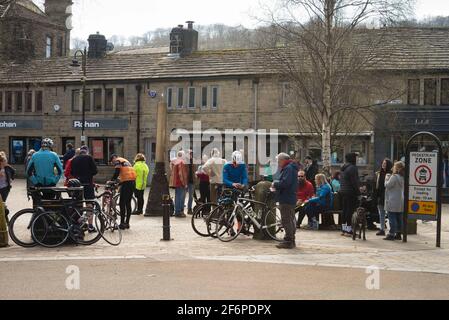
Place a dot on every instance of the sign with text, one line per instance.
(423, 181)
(21, 124)
(103, 124)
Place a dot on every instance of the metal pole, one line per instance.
(166, 218)
(83, 112)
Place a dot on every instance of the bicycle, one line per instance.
(111, 232)
(244, 218)
(60, 219)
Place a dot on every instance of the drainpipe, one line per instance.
(256, 107)
(139, 90)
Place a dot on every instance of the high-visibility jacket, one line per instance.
(127, 172)
(142, 172)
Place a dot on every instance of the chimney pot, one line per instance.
(190, 24)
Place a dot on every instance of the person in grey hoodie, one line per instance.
(394, 200)
(350, 192)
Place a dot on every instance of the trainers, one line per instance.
(122, 226)
(182, 215)
(286, 245)
(398, 236)
(389, 238)
(190, 212)
(381, 233)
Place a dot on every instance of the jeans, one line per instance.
(180, 198)
(382, 215)
(288, 221)
(126, 195)
(395, 219)
(191, 190)
(4, 193)
(349, 202)
(140, 200)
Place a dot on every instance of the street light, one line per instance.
(75, 63)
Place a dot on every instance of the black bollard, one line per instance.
(166, 218)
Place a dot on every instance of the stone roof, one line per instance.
(401, 50)
(25, 9)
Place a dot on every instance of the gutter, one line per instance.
(139, 91)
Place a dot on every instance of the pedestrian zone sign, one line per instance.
(423, 182)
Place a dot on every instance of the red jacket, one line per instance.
(68, 172)
(305, 192)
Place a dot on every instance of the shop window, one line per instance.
(39, 101)
(430, 92)
(28, 101)
(19, 101)
(445, 92)
(97, 100)
(109, 103)
(192, 97)
(169, 98)
(19, 148)
(204, 92)
(361, 150)
(337, 155)
(120, 98)
(103, 148)
(75, 100)
(414, 90)
(214, 97)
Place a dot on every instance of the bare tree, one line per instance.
(326, 58)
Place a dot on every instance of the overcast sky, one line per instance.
(134, 17)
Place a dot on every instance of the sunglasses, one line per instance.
(301, 176)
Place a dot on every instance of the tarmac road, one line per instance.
(198, 279)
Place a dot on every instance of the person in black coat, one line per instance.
(349, 191)
(311, 170)
(68, 155)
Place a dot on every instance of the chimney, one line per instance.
(97, 46)
(183, 41)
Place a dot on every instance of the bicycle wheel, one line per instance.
(80, 231)
(117, 204)
(212, 219)
(111, 232)
(50, 229)
(273, 225)
(20, 228)
(229, 225)
(199, 218)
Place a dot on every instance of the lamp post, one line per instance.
(75, 64)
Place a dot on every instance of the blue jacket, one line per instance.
(233, 174)
(287, 185)
(43, 164)
(324, 198)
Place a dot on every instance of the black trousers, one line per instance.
(5, 193)
(349, 204)
(140, 200)
(126, 195)
(204, 191)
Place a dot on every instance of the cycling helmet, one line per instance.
(47, 143)
(237, 156)
(74, 183)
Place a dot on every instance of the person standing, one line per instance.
(311, 170)
(179, 180)
(127, 175)
(68, 155)
(394, 200)
(214, 169)
(379, 192)
(350, 192)
(142, 172)
(7, 174)
(27, 161)
(68, 168)
(286, 188)
(204, 183)
(304, 193)
(190, 182)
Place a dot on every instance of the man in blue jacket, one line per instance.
(286, 188)
(41, 168)
(235, 173)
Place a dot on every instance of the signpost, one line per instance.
(423, 183)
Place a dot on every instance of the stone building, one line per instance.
(28, 32)
(223, 89)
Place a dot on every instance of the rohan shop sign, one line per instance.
(21, 124)
(105, 124)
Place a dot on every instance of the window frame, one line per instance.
(442, 102)
(39, 101)
(434, 93)
(1, 101)
(28, 101)
(204, 105)
(215, 96)
(180, 93)
(48, 46)
(169, 101)
(409, 81)
(120, 107)
(94, 105)
(76, 94)
(189, 98)
(109, 107)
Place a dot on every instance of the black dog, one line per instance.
(359, 221)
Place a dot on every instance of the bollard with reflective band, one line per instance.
(3, 226)
(166, 218)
